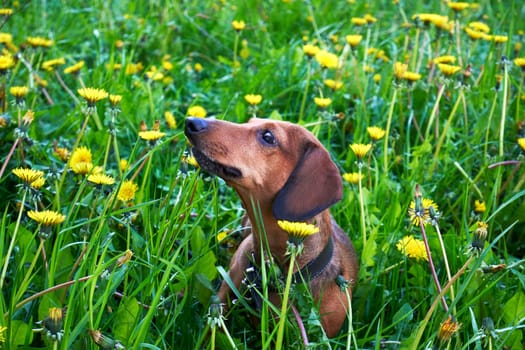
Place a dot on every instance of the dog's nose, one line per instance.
(196, 125)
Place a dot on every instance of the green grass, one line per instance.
(459, 146)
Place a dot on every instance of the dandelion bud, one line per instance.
(480, 235)
(104, 342)
(53, 324)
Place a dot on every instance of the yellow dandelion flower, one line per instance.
(412, 248)
(196, 111)
(81, 168)
(310, 50)
(479, 237)
(6, 62)
(521, 142)
(221, 236)
(198, 67)
(444, 24)
(360, 150)
(422, 214)
(353, 178)
(6, 12)
(81, 161)
(151, 135)
(19, 91)
(167, 65)
(327, 59)
(375, 132)
(476, 35)
(38, 41)
(6, 38)
(479, 206)
(322, 102)
(123, 165)
(458, 6)
(444, 59)
(520, 62)
(28, 117)
(127, 191)
(238, 25)
(101, 179)
(92, 95)
(354, 39)
(359, 21)
(297, 229)
(430, 18)
(115, 99)
(479, 26)
(253, 99)
(400, 70)
(50, 65)
(53, 323)
(154, 74)
(28, 175)
(190, 160)
(448, 69)
(377, 78)
(411, 76)
(61, 152)
(38, 183)
(448, 328)
(46, 217)
(170, 120)
(370, 19)
(333, 84)
(74, 68)
(133, 68)
(499, 39)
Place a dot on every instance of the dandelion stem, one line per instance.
(387, 131)
(445, 259)
(305, 92)
(491, 113)
(444, 133)
(13, 240)
(503, 109)
(431, 264)
(284, 306)
(434, 110)
(362, 206)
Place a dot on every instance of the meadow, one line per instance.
(111, 237)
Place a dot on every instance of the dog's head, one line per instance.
(268, 161)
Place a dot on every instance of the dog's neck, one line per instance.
(267, 233)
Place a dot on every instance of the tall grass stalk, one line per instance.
(387, 130)
(284, 306)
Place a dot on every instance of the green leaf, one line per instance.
(125, 318)
(21, 333)
(514, 309)
(403, 315)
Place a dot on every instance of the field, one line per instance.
(112, 237)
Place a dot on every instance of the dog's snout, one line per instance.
(196, 125)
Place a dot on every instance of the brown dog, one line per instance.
(281, 172)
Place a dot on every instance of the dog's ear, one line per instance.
(314, 185)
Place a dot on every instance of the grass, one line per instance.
(140, 271)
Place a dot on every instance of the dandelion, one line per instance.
(81, 161)
(298, 229)
(61, 152)
(310, 50)
(520, 62)
(38, 183)
(448, 328)
(253, 99)
(360, 150)
(154, 74)
(333, 84)
(6, 12)
(196, 111)
(448, 69)
(38, 41)
(198, 67)
(444, 59)
(221, 236)
(128, 254)
(480, 235)
(74, 69)
(133, 68)
(50, 65)
(479, 27)
(103, 341)
(123, 165)
(2, 331)
(115, 99)
(400, 70)
(370, 19)
(46, 218)
(327, 59)
(421, 212)
(238, 25)
(170, 120)
(92, 95)
(151, 135)
(354, 39)
(476, 35)
(521, 142)
(6, 38)
(353, 178)
(499, 39)
(375, 133)
(458, 6)
(322, 102)
(190, 160)
(18, 92)
(53, 324)
(377, 78)
(412, 248)
(359, 21)
(6, 62)
(27, 175)
(479, 206)
(411, 76)
(101, 179)
(127, 191)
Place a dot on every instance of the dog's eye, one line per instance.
(268, 138)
